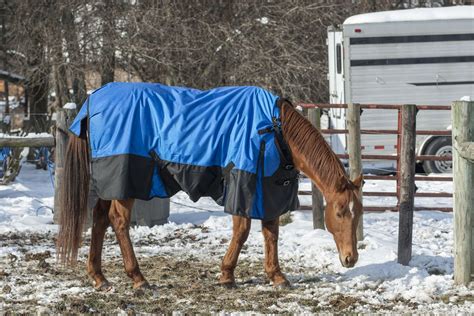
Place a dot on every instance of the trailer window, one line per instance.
(339, 58)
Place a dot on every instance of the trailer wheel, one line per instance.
(440, 146)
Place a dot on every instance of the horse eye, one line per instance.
(339, 214)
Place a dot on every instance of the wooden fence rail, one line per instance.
(12, 166)
(463, 174)
(47, 141)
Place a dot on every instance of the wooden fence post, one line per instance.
(463, 173)
(407, 183)
(354, 151)
(314, 116)
(64, 118)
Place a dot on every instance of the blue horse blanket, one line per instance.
(150, 140)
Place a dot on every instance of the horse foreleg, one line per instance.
(270, 231)
(120, 214)
(241, 229)
(99, 227)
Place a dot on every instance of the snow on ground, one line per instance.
(184, 255)
(26, 204)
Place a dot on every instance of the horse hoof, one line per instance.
(145, 288)
(282, 285)
(105, 287)
(229, 285)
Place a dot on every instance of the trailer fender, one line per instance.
(426, 142)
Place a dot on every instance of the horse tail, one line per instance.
(73, 199)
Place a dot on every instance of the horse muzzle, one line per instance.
(348, 261)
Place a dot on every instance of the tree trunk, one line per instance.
(74, 53)
(38, 89)
(60, 75)
(108, 42)
(39, 105)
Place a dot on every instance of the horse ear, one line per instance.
(359, 181)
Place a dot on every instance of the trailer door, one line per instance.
(337, 117)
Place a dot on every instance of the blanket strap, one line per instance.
(280, 142)
(285, 154)
(283, 146)
(265, 130)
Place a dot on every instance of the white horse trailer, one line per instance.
(413, 56)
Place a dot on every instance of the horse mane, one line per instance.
(301, 134)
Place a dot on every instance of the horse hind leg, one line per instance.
(99, 227)
(270, 230)
(241, 229)
(119, 215)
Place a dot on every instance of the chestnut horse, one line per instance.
(311, 155)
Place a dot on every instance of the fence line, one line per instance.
(396, 157)
(406, 159)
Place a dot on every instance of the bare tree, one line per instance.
(107, 64)
(74, 53)
(28, 45)
(78, 45)
(279, 45)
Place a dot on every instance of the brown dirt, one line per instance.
(185, 283)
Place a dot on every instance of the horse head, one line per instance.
(342, 214)
(313, 156)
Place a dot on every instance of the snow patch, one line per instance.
(70, 106)
(263, 20)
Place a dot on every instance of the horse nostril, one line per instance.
(350, 261)
(347, 261)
